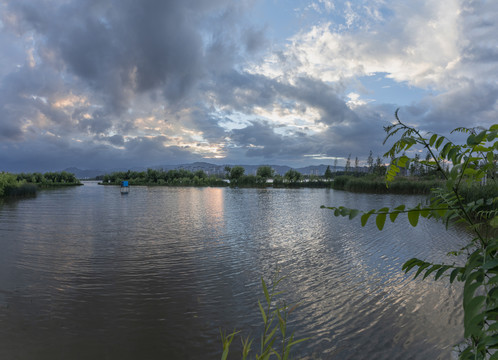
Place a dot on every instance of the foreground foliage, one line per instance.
(462, 199)
(275, 339)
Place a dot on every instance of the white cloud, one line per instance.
(421, 43)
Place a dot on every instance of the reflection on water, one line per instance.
(89, 273)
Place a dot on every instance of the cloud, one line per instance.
(446, 48)
(120, 50)
(161, 81)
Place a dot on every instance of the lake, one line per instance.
(88, 273)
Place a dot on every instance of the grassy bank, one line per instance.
(377, 185)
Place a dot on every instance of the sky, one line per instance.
(101, 84)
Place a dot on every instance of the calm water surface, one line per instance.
(87, 273)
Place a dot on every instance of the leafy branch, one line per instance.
(470, 163)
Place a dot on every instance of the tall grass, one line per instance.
(475, 191)
(377, 185)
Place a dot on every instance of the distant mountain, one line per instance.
(210, 169)
(85, 174)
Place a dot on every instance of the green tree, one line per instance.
(292, 176)
(470, 162)
(227, 171)
(200, 174)
(236, 173)
(370, 162)
(415, 165)
(348, 164)
(379, 168)
(328, 173)
(265, 172)
(7, 181)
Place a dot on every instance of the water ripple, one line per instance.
(88, 273)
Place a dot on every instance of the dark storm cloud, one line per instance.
(242, 91)
(259, 139)
(126, 48)
(99, 123)
(48, 153)
(317, 93)
(24, 96)
(117, 140)
(466, 106)
(110, 53)
(129, 47)
(209, 125)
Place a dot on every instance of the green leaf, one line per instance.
(468, 292)
(471, 140)
(473, 316)
(439, 142)
(480, 137)
(433, 139)
(446, 149)
(353, 213)
(380, 220)
(493, 327)
(263, 313)
(490, 156)
(431, 270)
(424, 212)
(452, 154)
(298, 341)
(265, 290)
(393, 216)
(494, 222)
(402, 161)
(364, 218)
(420, 269)
(488, 265)
(408, 265)
(441, 271)
(270, 337)
(454, 274)
(413, 217)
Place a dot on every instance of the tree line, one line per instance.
(177, 177)
(26, 184)
(48, 178)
